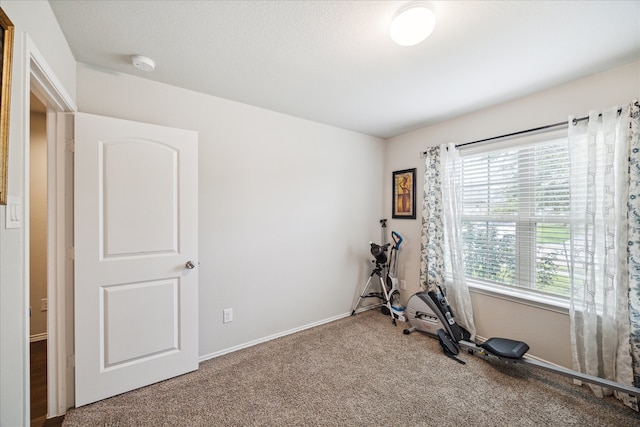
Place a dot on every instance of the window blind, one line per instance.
(515, 215)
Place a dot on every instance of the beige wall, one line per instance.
(34, 22)
(546, 332)
(258, 255)
(38, 223)
(287, 206)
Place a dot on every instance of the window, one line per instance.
(515, 214)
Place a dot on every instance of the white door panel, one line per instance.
(130, 322)
(130, 195)
(135, 229)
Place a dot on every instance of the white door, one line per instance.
(136, 253)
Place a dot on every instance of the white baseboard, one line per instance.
(479, 339)
(271, 337)
(38, 337)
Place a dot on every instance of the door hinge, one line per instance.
(70, 145)
(71, 253)
(71, 361)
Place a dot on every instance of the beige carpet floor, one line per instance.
(357, 371)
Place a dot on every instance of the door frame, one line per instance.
(40, 79)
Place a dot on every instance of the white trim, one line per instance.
(521, 296)
(62, 221)
(271, 337)
(38, 74)
(45, 79)
(26, 287)
(38, 337)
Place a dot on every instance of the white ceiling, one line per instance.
(333, 62)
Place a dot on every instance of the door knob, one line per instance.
(190, 265)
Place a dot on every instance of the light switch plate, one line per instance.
(13, 213)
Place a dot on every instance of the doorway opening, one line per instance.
(38, 301)
(53, 163)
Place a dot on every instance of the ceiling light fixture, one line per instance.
(143, 63)
(413, 23)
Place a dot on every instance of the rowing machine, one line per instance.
(429, 312)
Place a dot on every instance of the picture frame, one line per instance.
(6, 56)
(404, 194)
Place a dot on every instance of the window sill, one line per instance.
(543, 302)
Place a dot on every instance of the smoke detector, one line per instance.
(143, 63)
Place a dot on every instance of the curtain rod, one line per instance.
(522, 132)
(574, 121)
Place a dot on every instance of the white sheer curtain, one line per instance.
(458, 291)
(599, 309)
(441, 232)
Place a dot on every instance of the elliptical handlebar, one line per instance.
(397, 238)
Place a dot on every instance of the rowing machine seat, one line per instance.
(505, 347)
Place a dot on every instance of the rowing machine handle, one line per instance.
(397, 238)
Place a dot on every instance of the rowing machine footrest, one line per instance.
(505, 347)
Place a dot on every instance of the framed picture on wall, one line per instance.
(404, 194)
(6, 49)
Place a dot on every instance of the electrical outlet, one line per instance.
(44, 304)
(227, 315)
(403, 285)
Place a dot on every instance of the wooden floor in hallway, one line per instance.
(39, 387)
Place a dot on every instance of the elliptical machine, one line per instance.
(386, 269)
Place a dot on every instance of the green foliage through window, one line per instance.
(515, 207)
